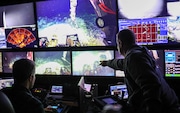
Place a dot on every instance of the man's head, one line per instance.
(125, 39)
(24, 72)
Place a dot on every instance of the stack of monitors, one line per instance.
(156, 22)
(17, 26)
(73, 63)
(172, 63)
(86, 63)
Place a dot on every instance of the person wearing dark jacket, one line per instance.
(19, 94)
(147, 89)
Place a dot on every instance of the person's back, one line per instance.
(159, 95)
(19, 94)
(23, 101)
(148, 91)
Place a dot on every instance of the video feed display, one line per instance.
(119, 90)
(18, 29)
(52, 62)
(173, 7)
(173, 27)
(22, 37)
(6, 82)
(172, 63)
(148, 31)
(86, 63)
(76, 23)
(139, 9)
(8, 59)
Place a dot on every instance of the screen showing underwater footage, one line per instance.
(8, 59)
(86, 63)
(52, 62)
(74, 23)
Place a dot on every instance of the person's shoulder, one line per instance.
(135, 51)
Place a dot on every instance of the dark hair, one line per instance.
(23, 69)
(127, 37)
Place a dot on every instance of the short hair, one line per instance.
(127, 37)
(22, 70)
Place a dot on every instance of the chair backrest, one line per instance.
(5, 104)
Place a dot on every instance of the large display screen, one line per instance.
(148, 31)
(154, 31)
(138, 9)
(75, 23)
(18, 28)
(8, 59)
(172, 63)
(52, 62)
(86, 63)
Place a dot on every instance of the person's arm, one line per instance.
(116, 64)
(142, 70)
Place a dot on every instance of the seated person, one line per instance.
(19, 94)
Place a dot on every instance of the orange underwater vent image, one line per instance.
(20, 37)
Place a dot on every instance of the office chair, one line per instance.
(5, 104)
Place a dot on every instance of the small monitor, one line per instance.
(52, 62)
(6, 82)
(119, 90)
(90, 66)
(56, 89)
(172, 63)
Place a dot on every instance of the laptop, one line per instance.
(119, 90)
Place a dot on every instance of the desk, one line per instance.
(66, 102)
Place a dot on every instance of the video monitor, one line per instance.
(173, 27)
(152, 31)
(6, 82)
(8, 59)
(172, 63)
(86, 63)
(21, 37)
(18, 26)
(52, 62)
(76, 23)
(173, 7)
(138, 9)
(119, 90)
